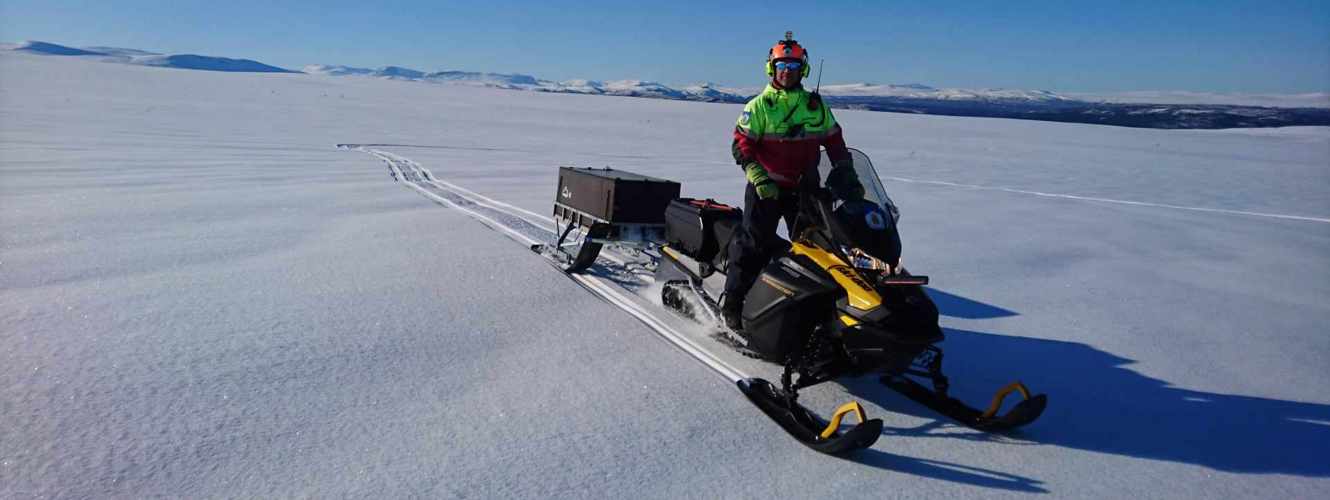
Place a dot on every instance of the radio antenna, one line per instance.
(820, 64)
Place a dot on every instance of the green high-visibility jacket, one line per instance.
(783, 130)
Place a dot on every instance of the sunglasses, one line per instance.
(788, 65)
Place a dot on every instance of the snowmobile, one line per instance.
(834, 302)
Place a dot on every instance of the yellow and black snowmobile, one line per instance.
(835, 302)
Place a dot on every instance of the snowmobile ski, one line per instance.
(988, 420)
(806, 427)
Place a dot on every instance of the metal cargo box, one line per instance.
(612, 196)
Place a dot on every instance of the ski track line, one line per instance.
(1110, 200)
(465, 196)
(477, 197)
(453, 197)
(497, 218)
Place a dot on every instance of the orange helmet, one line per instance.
(788, 48)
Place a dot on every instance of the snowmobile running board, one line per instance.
(805, 426)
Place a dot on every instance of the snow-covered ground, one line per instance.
(201, 296)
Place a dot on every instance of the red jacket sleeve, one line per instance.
(835, 144)
(744, 148)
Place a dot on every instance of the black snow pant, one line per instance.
(753, 246)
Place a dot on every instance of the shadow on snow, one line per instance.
(961, 307)
(947, 471)
(1097, 403)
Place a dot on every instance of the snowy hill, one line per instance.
(206, 63)
(1304, 100)
(145, 58)
(706, 91)
(44, 48)
(712, 92)
(632, 88)
(629, 88)
(334, 70)
(119, 51)
(398, 73)
(497, 80)
(918, 91)
(492, 79)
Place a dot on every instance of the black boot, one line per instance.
(731, 311)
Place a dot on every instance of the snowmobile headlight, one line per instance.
(862, 260)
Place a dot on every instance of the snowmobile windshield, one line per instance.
(867, 176)
(865, 217)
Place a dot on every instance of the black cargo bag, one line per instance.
(700, 228)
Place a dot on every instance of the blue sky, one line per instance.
(1219, 45)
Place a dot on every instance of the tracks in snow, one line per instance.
(1223, 211)
(530, 228)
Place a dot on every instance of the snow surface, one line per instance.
(200, 296)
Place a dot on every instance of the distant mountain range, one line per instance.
(629, 88)
(1178, 110)
(144, 58)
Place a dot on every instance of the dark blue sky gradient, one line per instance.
(1222, 45)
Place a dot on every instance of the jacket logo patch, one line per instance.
(875, 220)
(743, 118)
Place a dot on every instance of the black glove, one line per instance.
(844, 183)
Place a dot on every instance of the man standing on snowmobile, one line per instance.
(776, 143)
